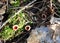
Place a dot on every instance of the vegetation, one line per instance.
(15, 25)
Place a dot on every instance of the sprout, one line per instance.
(15, 27)
(27, 27)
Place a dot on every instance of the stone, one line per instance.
(59, 1)
(41, 35)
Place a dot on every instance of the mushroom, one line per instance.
(27, 27)
(15, 27)
(43, 16)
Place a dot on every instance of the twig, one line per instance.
(56, 14)
(51, 3)
(17, 13)
(22, 37)
(20, 7)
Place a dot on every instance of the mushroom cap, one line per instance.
(27, 27)
(15, 27)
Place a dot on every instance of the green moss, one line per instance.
(8, 32)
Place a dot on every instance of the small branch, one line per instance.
(51, 3)
(27, 6)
